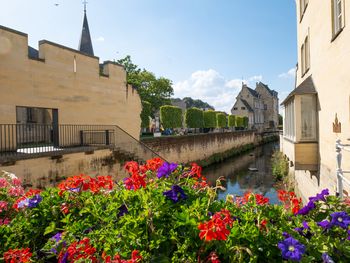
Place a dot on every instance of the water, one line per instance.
(239, 179)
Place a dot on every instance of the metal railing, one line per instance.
(339, 171)
(24, 141)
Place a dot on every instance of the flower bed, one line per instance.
(165, 213)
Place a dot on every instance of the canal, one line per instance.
(250, 171)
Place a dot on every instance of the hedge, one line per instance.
(221, 120)
(209, 118)
(145, 114)
(194, 118)
(239, 121)
(245, 121)
(171, 116)
(231, 121)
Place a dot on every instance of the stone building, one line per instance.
(321, 93)
(259, 105)
(55, 84)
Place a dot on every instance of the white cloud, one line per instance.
(210, 86)
(100, 39)
(289, 74)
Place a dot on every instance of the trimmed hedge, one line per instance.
(221, 120)
(209, 118)
(171, 116)
(194, 118)
(231, 121)
(245, 122)
(145, 114)
(239, 121)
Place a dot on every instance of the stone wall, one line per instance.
(199, 147)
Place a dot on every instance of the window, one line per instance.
(289, 121)
(30, 115)
(265, 107)
(303, 5)
(242, 108)
(337, 16)
(305, 56)
(235, 108)
(308, 118)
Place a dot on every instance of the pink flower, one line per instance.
(16, 182)
(3, 183)
(5, 221)
(16, 191)
(3, 206)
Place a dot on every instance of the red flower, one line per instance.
(30, 193)
(263, 224)
(17, 255)
(289, 200)
(154, 164)
(261, 200)
(213, 258)
(80, 250)
(196, 170)
(135, 182)
(135, 258)
(64, 208)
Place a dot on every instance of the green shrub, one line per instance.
(245, 122)
(145, 114)
(231, 121)
(209, 119)
(194, 118)
(221, 120)
(239, 121)
(171, 116)
(279, 165)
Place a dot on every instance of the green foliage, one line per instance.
(171, 116)
(221, 120)
(239, 122)
(155, 90)
(280, 166)
(145, 114)
(245, 122)
(231, 121)
(280, 119)
(209, 118)
(191, 103)
(194, 118)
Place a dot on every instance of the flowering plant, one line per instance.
(166, 212)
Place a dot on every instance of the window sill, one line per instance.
(337, 34)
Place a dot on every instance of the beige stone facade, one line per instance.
(322, 91)
(63, 79)
(259, 105)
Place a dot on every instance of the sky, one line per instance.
(206, 47)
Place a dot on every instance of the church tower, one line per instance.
(85, 44)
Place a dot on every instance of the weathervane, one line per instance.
(85, 2)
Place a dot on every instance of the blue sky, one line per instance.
(205, 47)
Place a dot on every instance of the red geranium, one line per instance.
(154, 164)
(79, 250)
(289, 200)
(17, 255)
(135, 257)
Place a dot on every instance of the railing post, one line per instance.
(339, 169)
(81, 137)
(107, 137)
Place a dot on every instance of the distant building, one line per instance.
(321, 92)
(259, 105)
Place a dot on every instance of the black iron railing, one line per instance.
(24, 141)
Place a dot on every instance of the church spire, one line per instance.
(85, 44)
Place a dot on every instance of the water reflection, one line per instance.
(239, 178)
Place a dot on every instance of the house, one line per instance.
(259, 105)
(321, 93)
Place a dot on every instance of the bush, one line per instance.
(231, 121)
(280, 166)
(239, 121)
(221, 120)
(171, 116)
(194, 118)
(245, 122)
(209, 118)
(145, 114)
(166, 213)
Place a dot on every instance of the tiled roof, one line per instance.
(306, 87)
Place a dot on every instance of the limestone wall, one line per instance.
(64, 79)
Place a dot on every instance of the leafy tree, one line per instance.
(209, 118)
(171, 116)
(194, 118)
(191, 103)
(155, 90)
(145, 114)
(231, 121)
(221, 120)
(239, 121)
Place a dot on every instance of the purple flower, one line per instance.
(57, 237)
(349, 234)
(325, 224)
(166, 169)
(306, 209)
(23, 203)
(122, 210)
(175, 194)
(291, 249)
(341, 219)
(34, 201)
(326, 258)
(64, 259)
(320, 196)
(286, 235)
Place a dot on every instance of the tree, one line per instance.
(239, 121)
(194, 118)
(145, 114)
(245, 122)
(171, 116)
(221, 120)
(156, 91)
(231, 121)
(209, 118)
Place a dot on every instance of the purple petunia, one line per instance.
(291, 249)
(326, 258)
(325, 224)
(286, 235)
(306, 209)
(166, 169)
(34, 201)
(175, 194)
(122, 210)
(301, 230)
(341, 219)
(320, 196)
(349, 234)
(57, 237)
